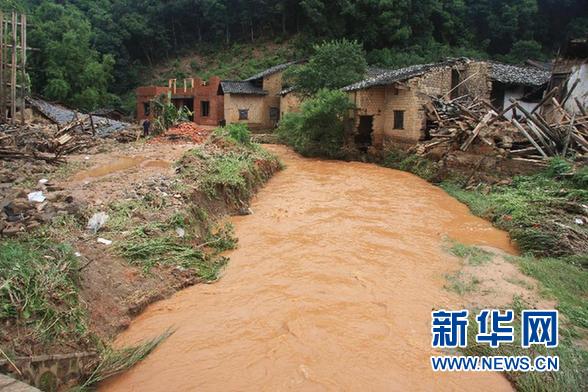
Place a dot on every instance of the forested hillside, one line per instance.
(92, 52)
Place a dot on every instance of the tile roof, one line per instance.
(382, 77)
(241, 87)
(62, 116)
(522, 75)
(272, 70)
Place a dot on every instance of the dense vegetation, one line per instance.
(92, 52)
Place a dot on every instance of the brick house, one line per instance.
(390, 103)
(203, 98)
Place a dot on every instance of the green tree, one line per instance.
(333, 65)
(319, 128)
(68, 69)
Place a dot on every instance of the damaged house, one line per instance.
(570, 77)
(391, 106)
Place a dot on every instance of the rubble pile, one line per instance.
(26, 211)
(522, 135)
(186, 132)
(42, 142)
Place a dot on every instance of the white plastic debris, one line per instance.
(579, 221)
(36, 197)
(43, 181)
(87, 158)
(104, 241)
(96, 222)
(78, 254)
(180, 232)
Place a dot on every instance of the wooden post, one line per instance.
(23, 64)
(13, 71)
(2, 91)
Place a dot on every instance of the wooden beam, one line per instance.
(23, 65)
(13, 72)
(2, 90)
(533, 142)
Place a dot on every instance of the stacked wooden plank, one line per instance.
(522, 134)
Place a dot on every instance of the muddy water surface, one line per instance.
(331, 288)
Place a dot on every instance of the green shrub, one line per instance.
(422, 167)
(558, 166)
(580, 178)
(238, 133)
(319, 128)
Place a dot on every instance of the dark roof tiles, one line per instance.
(241, 87)
(521, 75)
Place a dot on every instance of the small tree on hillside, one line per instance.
(319, 128)
(333, 65)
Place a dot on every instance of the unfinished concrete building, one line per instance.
(203, 98)
(390, 105)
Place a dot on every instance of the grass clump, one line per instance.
(400, 160)
(471, 254)
(39, 288)
(158, 244)
(461, 284)
(113, 362)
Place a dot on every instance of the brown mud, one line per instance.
(331, 288)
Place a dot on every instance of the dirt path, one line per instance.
(331, 288)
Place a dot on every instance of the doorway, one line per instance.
(363, 139)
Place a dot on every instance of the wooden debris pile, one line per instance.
(514, 131)
(44, 142)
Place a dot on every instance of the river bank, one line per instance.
(159, 226)
(331, 287)
(546, 215)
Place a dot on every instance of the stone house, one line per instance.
(390, 103)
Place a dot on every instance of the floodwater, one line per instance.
(331, 289)
(119, 165)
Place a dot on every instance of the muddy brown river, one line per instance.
(331, 289)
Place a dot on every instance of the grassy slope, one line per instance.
(238, 61)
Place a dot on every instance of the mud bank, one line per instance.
(166, 224)
(331, 288)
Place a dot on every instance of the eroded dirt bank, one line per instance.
(331, 288)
